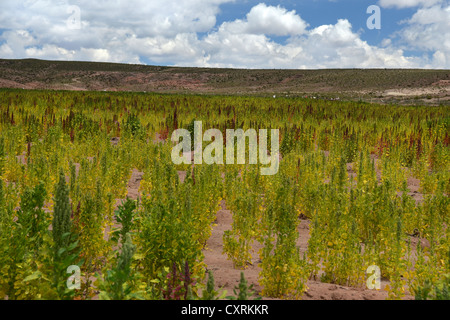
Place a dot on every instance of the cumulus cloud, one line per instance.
(105, 25)
(327, 46)
(269, 20)
(149, 18)
(184, 33)
(408, 3)
(428, 30)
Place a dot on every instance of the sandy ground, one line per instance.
(440, 88)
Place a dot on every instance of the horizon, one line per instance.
(223, 68)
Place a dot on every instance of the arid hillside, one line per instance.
(373, 85)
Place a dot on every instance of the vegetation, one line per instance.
(66, 159)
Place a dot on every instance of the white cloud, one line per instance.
(327, 46)
(337, 46)
(269, 20)
(408, 3)
(182, 48)
(50, 52)
(428, 30)
(166, 32)
(106, 27)
(150, 18)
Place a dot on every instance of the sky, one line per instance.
(283, 34)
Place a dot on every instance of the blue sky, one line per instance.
(228, 33)
(321, 12)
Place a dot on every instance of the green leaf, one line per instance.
(139, 256)
(33, 276)
(72, 246)
(223, 295)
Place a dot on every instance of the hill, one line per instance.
(410, 86)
